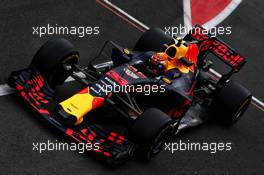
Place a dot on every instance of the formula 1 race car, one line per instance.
(139, 99)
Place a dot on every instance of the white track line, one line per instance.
(6, 90)
(260, 103)
(187, 16)
(126, 14)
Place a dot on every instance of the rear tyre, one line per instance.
(153, 40)
(150, 131)
(231, 102)
(51, 58)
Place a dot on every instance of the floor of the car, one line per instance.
(195, 116)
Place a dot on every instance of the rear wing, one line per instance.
(209, 44)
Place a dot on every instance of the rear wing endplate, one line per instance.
(209, 44)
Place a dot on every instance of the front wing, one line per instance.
(33, 88)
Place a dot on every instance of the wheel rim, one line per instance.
(60, 73)
(242, 109)
(157, 148)
(161, 139)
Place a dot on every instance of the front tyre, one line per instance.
(51, 59)
(150, 131)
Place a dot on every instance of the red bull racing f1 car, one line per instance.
(148, 93)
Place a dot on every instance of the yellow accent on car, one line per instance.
(174, 62)
(71, 57)
(181, 51)
(126, 51)
(78, 105)
(166, 80)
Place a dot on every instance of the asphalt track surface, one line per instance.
(19, 128)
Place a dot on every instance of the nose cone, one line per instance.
(64, 117)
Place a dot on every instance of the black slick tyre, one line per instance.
(51, 58)
(153, 39)
(231, 102)
(150, 131)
